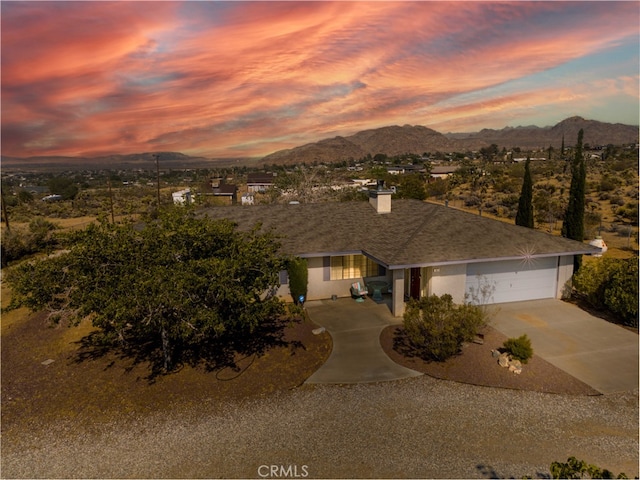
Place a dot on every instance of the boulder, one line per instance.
(516, 363)
(503, 360)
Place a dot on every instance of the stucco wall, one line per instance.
(449, 279)
(320, 287)
(565, 272)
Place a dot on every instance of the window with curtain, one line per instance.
(354, 266)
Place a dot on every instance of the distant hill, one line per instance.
(392, 140)
(145, 161)
(595, 133)
(396, 140)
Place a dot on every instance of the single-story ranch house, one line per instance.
(413, 249)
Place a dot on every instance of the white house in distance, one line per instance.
(260, 182)
(182, 197)
(411, 249)
(443, 171)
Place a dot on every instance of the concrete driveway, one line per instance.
(601, 354)
(357, 356)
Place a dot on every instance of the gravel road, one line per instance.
(414, 428)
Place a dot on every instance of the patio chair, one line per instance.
(358, 291)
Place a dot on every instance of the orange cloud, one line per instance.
(247, 78)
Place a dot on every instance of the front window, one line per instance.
(354, 266)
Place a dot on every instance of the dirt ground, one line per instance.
(475, 365)
(45, 377)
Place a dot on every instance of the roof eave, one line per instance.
(494, 259)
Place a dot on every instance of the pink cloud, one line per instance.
(249, 78)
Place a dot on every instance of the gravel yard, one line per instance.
(417, 428)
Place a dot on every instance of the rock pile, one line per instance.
(505, 361)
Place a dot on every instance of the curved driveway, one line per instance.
(357, 356)
(596, 352)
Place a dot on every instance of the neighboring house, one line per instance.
(219, 188)
(443, 171)
(363, 182)
(259, 182)
(247, 199)
(182, 197)
(227, 191)
(402, 169)
(415, 249)
(52, 198)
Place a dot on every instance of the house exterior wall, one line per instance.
(449, 279)
(436, 280)
(565, 272)
(259, 188)
(320, 287)
(397, 298)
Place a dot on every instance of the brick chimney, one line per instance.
(380, 199)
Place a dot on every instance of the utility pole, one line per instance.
(157, 157)
(113, 219)
(5, 214)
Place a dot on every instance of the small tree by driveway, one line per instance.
(437, 328)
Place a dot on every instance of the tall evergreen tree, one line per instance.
(573, 224)
(524, 216)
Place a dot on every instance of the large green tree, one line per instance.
(63, 186)
(174, 285)
(524, 215)
(573, 224)
(412, 186)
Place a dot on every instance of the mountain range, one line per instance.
(396, 140)
(391, 140)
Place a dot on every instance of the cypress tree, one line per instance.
(298, 278)
(573, 224)
(524, 216)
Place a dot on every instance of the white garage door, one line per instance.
(511, 281)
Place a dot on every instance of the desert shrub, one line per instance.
(437, 328)
(575, 468)
(510, 201)
(19, 243)
(622, 230)
(472, 201)
(629, 211)
(505, 184)
(608, 183)
(13, 246)
(603, 196)
(519, 348)
(298, 278)
(438, 187)
(41, 234)
(610, 284)
(616, 200)
(25, 196)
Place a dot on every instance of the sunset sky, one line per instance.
(238, 79)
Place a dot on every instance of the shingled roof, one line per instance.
(413, 234)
